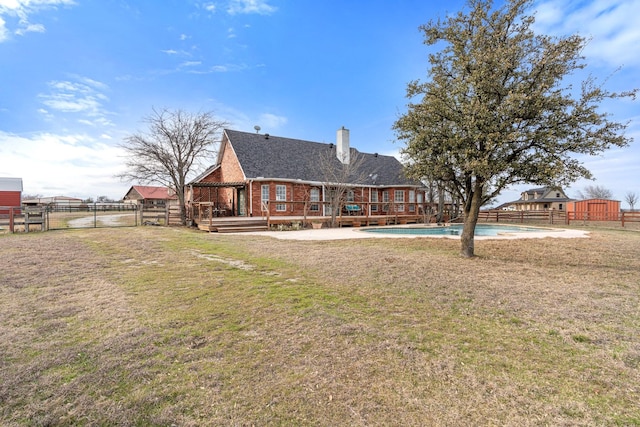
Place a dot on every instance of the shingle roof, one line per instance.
(544, 196)
(285, 158)
(151, 192)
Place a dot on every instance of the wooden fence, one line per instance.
(160, 215)
(14, 217)
(548, 217)
(558, 217)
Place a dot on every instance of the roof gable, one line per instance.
(266, 156)
(543, 195)
(151, 192)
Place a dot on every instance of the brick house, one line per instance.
(259, 174)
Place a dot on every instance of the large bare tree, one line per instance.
(497, 110)
(173, 149)
(595, 192)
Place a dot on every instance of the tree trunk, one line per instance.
(471, 211)
(440, 217)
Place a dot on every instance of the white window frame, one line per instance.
(281, 195)
(314, 196)
(398, 200)
(264, 196)
(374, 200)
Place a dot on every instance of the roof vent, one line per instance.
(331, 146)
(266, 136)
(375, 155)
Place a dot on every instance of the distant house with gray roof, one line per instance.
(542, 198)
(254, 172)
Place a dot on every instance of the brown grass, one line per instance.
(160, 326)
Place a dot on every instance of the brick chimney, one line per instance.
(342, 145)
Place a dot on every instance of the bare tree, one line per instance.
(340, 176)
(173, 149)
(595, 192)
(631, 198)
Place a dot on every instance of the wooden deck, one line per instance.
(242, 224)
(234, 225)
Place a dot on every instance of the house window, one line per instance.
(351, 197)
(281, 195)
(314, 196)
(560, 206)
(412, 200)
(264, 197)
(398, 198)
(557, 194)
(385, 199)
(374, 200)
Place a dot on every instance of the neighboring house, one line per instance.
(254, 172)
(150, 196)
(10, 193)
(58, 201)
(542, 199)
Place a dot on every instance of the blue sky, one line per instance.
(77, 76)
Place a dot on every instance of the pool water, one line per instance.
(453, 230)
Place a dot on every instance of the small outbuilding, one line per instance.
(57, 201)
(594, 209)
(10, 194)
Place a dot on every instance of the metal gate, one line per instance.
(93, 215)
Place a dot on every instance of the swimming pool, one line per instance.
(454, 230)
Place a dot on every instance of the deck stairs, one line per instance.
(236, 225)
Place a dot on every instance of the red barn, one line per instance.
(595, 209)
(10, 194)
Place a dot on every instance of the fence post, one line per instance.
(95, 215)
(622, 218)
(11, 220)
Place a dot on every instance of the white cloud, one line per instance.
(3, 30)
(30, 28)
(74, 165)
(22, 10)
(260, 7)
(611, 26)
(83, 97)
(191, 64)
(272, 121)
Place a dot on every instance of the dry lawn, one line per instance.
(165, 326)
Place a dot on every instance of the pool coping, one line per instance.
(360, 233)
